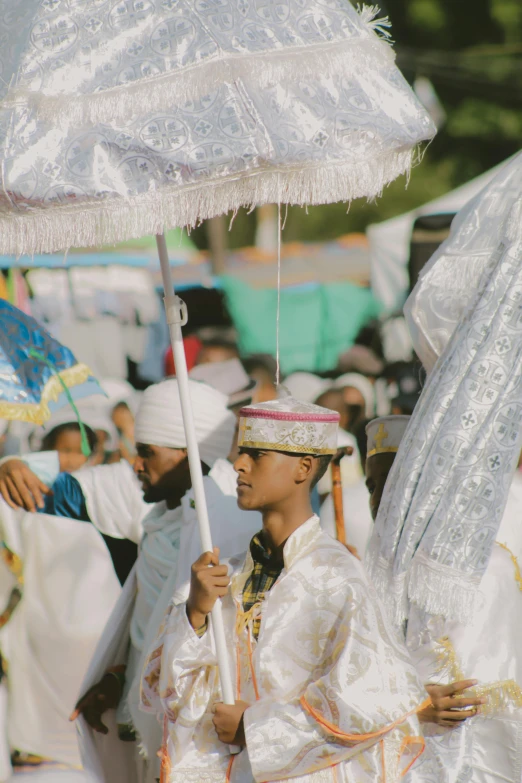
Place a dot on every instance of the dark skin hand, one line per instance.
(208, 582)
(105, 695)
(449, 707)
(228, 722)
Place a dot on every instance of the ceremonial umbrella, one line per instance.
(123, 118)
(448, 486)
(38, 375)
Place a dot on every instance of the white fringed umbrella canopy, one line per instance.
(125, 117)
(122, 117)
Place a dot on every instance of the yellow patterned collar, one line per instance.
(295, 547)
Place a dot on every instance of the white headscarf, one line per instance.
(159, 421)
(363, 385)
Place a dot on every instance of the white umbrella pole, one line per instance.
(176, 311)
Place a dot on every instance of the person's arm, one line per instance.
(103, 696)
(26, 480)
(179, 660)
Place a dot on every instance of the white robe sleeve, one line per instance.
(180, 672)
(114, 500)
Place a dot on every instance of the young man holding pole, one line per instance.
(324, 690)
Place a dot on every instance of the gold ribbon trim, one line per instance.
(518, 575)
(500, 694)
(39, 413)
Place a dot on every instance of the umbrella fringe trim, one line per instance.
(192, 83)
(39, 413)
(115, 219)
(435, 588)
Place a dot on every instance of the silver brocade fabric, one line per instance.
(71, 47)
(275, 131)
(434, 308)
(448, 486)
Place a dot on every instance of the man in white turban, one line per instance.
(160, 516)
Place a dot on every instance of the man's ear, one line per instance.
(305, 468)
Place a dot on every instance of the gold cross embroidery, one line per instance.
(380, 436)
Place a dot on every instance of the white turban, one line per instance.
(159, 421)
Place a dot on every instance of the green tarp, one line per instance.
(317, 323)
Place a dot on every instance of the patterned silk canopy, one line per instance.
(122, 117)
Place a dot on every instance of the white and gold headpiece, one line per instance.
(288, 424)
(385, 434)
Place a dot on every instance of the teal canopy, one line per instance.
(317, 323)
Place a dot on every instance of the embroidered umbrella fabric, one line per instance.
(38, 375)
(122, 118)
(448, 486)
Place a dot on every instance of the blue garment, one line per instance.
(67, 499)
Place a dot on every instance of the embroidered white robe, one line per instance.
(332, 691)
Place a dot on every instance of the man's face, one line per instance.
(266, 478)
(163, 472)
(377, 468)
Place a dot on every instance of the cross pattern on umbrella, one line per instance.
(216, 11)
(272, 10)
(503, 346)
(494, 462)
(235, 121)
(128, 13)
(475, 556)
(56, 36)
(84, 154)
(469, 419)
(477, 335)
(164, 134)
(171, 35)
(475, 499)
(507, 424)
(485, 383)
(512, 312)
(451, 449)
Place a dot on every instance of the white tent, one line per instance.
(389, 241)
